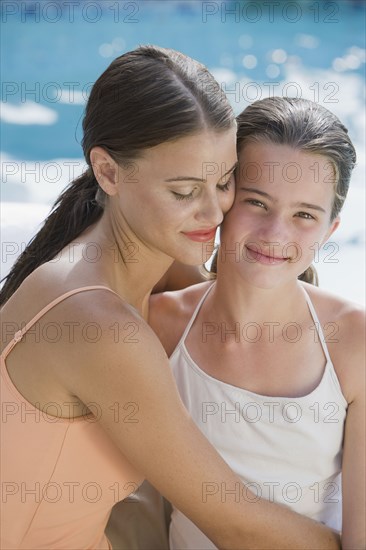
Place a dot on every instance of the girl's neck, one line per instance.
(236, 300)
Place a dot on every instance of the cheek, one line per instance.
(307, 242)
(311, 235)
(233, 226)
(174, 214)
(227, 200)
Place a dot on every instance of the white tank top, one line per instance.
(284, 449)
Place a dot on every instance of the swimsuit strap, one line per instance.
(195, 313)
(20, 333)
(318, 326)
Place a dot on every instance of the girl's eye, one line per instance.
(255, 202)
(305, 216)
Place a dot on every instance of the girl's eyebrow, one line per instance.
(193, 178)
(262, 193)
(295, 204)
(311, 206)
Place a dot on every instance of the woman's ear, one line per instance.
(333, 226)
(105, 170)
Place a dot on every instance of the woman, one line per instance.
(86, 385)
(271, 368)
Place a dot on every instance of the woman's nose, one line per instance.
(210, 212)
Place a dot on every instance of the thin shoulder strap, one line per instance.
(20, 333)
(192, 319)
(317, 324)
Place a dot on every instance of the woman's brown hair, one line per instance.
(145, 97)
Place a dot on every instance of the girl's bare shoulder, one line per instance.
(170, 312)
(343, 323)
(331, 307)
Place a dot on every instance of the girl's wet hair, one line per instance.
(146, 97)
(306, 126)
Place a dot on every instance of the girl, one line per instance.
(270, 367)
(89, 404)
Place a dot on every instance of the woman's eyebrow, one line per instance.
(193, 178)
(231, 169)
(185, 178)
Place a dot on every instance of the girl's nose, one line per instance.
(274, 230)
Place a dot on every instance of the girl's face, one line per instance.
(173, 198)
(281, 213)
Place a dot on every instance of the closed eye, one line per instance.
(181, 197)
(225, 186)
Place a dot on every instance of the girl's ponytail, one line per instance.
(310, 276)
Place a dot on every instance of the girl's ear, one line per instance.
(105, 170)
(334, 225)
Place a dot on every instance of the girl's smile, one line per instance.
(257, 255)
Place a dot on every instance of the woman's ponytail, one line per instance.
(145, 97)
(75, 209)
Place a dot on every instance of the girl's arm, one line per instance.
(354, 456)
(165, 444)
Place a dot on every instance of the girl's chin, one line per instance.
(264, 280)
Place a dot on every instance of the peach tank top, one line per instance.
(60, 477)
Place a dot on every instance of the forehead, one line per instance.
(201, 152)
(283, 167)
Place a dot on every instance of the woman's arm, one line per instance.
(353, 477)
(166, 446)
(354, 456)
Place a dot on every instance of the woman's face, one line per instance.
(281, 213)
(173, 198)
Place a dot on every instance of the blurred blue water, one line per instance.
(46, 46)
(51, 52)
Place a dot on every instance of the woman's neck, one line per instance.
(124, 264)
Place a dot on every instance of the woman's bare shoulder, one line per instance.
(77, 337)
(48, 283)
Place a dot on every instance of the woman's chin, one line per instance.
(198, 254)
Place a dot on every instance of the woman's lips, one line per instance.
(201, 236)
(257, 256)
